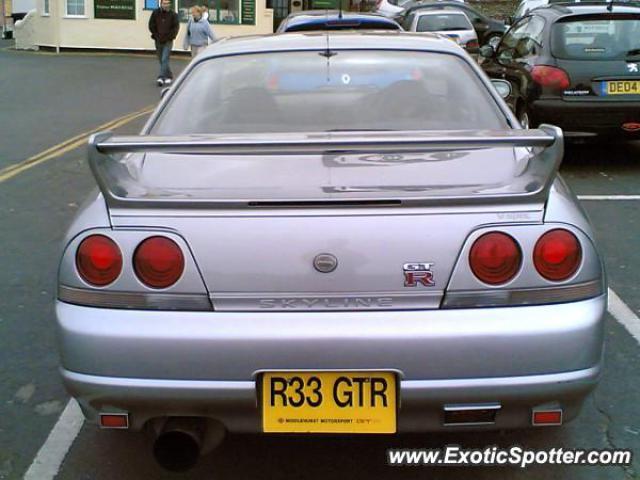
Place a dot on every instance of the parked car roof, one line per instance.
(335, 20)
(343, 39)
(561, 9)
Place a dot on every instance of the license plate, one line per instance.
(329, 402)
(621, 87)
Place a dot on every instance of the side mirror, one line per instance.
(487, 51)
(502, 87)
(494, 41)
(164, 91)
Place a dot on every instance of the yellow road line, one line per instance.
(68, 145)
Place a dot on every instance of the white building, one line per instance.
(122, 24)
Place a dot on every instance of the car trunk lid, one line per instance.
(261, 223)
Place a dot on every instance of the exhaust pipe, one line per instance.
(180, 441)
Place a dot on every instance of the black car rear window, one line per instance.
(596, 37)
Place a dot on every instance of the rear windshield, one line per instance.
(346, 90)
(443, 22)
(597, 38)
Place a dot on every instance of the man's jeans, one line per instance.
(164, 50)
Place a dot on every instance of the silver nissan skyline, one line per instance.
(343, 233)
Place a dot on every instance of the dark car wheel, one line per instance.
(524, 117)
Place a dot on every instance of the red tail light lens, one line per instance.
(557, 255)
(158, 262)
(472, 45)
(495, 258)
(98, 260)
(551, 77)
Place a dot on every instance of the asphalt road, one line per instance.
(45, 99)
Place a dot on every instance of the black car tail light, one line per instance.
(158, 262)
(550, 77)
(495, 258)
(98, 260)
(557, 255)
(472, 45)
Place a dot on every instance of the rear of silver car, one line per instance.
(400, 297)
(449, 23)
(210, 264)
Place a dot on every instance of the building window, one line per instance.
(220, 11)
(75, 8)
(45, 7)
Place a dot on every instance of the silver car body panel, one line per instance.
(433, 344)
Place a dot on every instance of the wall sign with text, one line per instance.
(248, 12)
(115, 9)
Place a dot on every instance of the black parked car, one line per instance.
(574, 65)
(486, 28)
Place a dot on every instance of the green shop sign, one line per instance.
(248, 12)
(115, 9)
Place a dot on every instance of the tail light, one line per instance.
(472, 45)
(495, 258)
(99, 260)
(158, 262)
(557, 255)
(551, 77)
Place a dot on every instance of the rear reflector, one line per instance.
(547, 417)
(114, 420)
(472, 45)
(631, 126)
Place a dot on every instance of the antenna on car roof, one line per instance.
(610, 6)
(340, 9)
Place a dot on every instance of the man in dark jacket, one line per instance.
(164, 26)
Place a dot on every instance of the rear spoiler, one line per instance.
(120, 181)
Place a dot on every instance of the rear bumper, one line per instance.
(587, 118)
(235, 404)
(152, 363)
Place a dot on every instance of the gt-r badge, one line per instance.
(418, 273)
(633, 67)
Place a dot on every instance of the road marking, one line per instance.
(68, 145)
(624, 315)
(52, 453)
(608, 197)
